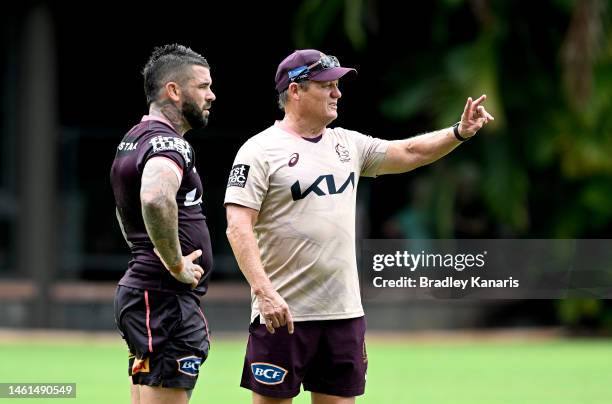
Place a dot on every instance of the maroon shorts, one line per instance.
(328, 357)
(166, 334)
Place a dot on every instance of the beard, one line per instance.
(194, 115)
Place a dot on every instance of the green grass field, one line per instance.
(558, 371)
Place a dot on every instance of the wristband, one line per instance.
(456, 132)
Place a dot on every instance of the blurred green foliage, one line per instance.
(543, 168)
(544, 165)
(586, 315)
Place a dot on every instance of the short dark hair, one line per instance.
(165, 64)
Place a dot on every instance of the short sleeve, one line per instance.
(371, 152)
(171, 147)
(248, 180)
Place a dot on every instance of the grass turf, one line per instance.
(556, 371)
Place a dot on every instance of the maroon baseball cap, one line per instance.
(308, 64)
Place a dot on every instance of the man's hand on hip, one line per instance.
(186, 271)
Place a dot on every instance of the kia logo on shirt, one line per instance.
(297, 194)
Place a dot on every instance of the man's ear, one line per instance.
(293, 91)
(173, 91)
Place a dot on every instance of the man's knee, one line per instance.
(259, 399)
(319, 398)
(162, 395)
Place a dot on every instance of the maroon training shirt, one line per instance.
(154, 137)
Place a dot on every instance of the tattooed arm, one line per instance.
(158, 190)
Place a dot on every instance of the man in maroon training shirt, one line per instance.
(158, 194)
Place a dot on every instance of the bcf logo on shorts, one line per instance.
(268, 373)
(238, 175)
(189, 365)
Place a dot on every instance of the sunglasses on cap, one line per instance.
(303, 72)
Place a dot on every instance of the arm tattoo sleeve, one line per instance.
(160, 211)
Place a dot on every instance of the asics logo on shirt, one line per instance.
(297, 194)
(295, 157)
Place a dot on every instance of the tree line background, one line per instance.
(542, 169)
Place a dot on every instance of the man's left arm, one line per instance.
(408, 154)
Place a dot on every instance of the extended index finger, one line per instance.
(478, 101)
